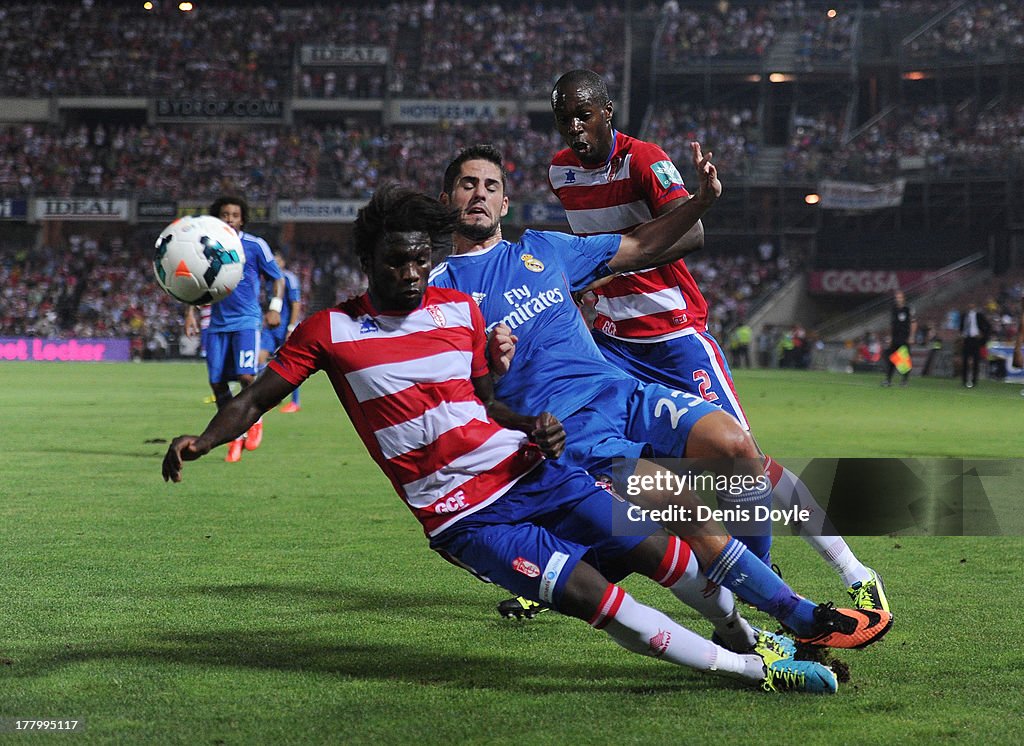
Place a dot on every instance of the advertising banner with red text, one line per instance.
(862, 281)
(67, 350)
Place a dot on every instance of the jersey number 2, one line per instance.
(704, 383)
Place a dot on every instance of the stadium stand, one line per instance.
(737, 32)
(306, 108)
(362, 157)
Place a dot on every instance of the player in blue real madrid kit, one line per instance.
(291, 315)
(233, 337)
(606, 413)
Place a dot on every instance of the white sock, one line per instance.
(841, 557)
(647, 631)
(790, 491)
(716, 604)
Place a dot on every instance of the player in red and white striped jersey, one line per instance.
(408, 363)
(403, 378)
(653, 323)
(634, 182)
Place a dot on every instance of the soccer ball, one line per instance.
(199, 259)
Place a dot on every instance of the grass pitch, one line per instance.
(291, 598)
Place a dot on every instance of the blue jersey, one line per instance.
(528, 285)
(241, 309)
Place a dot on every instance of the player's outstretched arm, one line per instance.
(658, 241)
(233, 419)
(545, 430)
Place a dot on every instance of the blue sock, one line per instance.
(759, 546)
(740, 571)
(757, 535)
(295, 396)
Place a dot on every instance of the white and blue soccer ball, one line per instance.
(198, 259)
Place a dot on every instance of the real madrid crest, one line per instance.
(437, 316)
(532, 263)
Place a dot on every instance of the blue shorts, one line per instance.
(231, 354)
(693, 363)
(271, 339)
(630, 419)
(530, 540)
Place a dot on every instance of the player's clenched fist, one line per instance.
(549, 434)
(501, 347)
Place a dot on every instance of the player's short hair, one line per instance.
(482, 152)
(218, 203)
(395, 209)
(588, 84)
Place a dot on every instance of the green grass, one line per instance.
(291, 598)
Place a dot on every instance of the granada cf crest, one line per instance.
(659, 643)
(524, 566)
(437, 316)
(532, 263)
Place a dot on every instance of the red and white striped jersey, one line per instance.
(634, 183)
(405, 382)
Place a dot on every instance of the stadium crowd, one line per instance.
(159, 162)
(274, 162)
(121, 50)
(730, 133)
(117, 50)
(86, 289)
(973, 29)
(733, 32)
(941, 138)
(264, 163)
(361, 158)
(103, 287)
(538, 42)
(248, 51)
(827, 34)
(825, 38)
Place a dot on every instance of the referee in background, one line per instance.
(901, 330)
